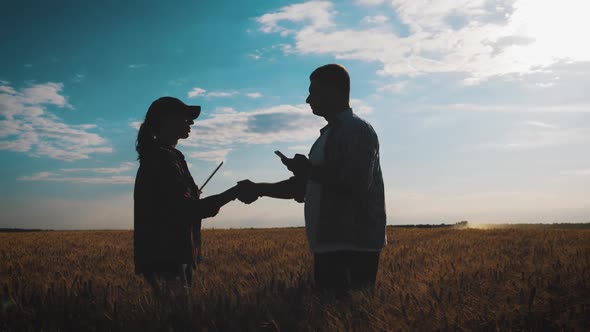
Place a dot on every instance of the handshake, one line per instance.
(246, 191)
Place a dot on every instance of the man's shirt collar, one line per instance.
(339, 118)
(344, 115)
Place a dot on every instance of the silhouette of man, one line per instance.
(342, 187)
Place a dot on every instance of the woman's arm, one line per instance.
(177, 196)
(210, 206)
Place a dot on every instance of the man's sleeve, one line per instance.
(355, 157)
(298, 185)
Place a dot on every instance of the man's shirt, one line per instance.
(348, 213)
(313, 193)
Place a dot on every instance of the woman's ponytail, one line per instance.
(146, 141)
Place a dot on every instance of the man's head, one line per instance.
(329, 90)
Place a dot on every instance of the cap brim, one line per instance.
(193, 111)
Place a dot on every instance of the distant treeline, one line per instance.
(527, 226)
(461, 224)
(19, 230)
(422, 226)
(496, 226)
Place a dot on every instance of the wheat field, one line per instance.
(429, 279)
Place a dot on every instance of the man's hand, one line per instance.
(247, 191)
(299, 164)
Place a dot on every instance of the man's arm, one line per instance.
(292, 188)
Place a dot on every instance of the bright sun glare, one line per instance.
(556, 28)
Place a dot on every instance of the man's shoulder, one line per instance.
(358, 121)
(360, 126)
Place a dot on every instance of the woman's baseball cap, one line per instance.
(166, 106)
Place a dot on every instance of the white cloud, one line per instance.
(41, 176)
(360, 107)
(270, 53)
(397, 88)
(534, 135)
(254, 95)
(68, 151)
(135, 124)
(315, 14)
(137, 65)
(256, 55)
(377, 19)
(124, 167)
(27, 125)
(221, 93)
(370, 2)
(195, 92)
(48, 93)
(91, 177)
(113, 179)
(7, 89)
(211, 155)
(474, 37)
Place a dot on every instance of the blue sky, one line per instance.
(481, 106)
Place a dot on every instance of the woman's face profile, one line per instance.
(176, 126)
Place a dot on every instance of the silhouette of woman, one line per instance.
(167, 204)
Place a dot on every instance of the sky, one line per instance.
(481, 106)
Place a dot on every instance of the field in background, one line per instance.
(456, 279)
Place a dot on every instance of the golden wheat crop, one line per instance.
(429, 279)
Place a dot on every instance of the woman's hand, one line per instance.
(209, 206)
(247, 191)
